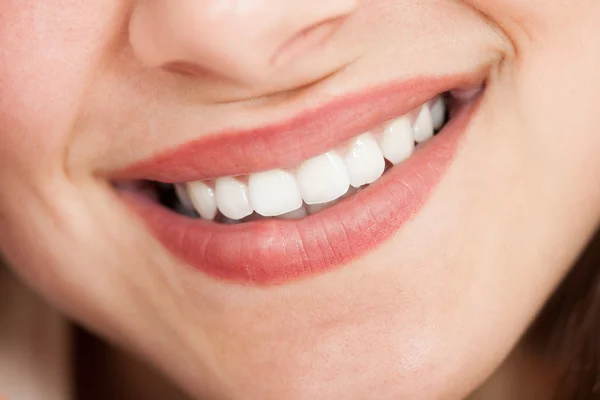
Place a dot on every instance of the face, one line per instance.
(233, 190)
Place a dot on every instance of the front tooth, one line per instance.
(232, 198)
(274, 193)
(423, 126)
(323, 178)
(438, 113)
(398, 140)
(203, 199)
(364, 161)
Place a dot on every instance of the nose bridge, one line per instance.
(241, 39)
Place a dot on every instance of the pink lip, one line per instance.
(277, 251)
(287, 144)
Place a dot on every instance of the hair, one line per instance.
(568, 328)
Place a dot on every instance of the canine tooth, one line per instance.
(364, 161)
(233, 199)
(398, 140)
(423, 125)
(203, 199)
(438, 113)
(274, 193)
(323, 178)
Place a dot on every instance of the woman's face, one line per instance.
(416, 286)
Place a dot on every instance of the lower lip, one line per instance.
(277, 251)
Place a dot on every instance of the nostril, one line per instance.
(305, 40)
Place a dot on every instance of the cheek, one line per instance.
(50, 51)
(550, 88)
(528, 20)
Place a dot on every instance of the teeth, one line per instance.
(183, 196)
(319, 182)
(364, 161)
(398, 141)
(203, 199)
(233, 199)
(423, 126)
(315, 208)
(438, 113)
(274, 193)
(323, 178)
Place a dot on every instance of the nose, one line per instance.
(244, 40)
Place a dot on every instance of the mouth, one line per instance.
(284, 202)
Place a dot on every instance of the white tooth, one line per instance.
(438, 113)
(296, 214)
(364, 161)
(398, 140)
(315, 208)
(423, 125)
(323, 178)
(232, 198)
(203, 199)
(274, 193)
(183, 196)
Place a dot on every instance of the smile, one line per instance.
(317, 183)
(274, 204)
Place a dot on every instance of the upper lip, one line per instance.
(286, 144)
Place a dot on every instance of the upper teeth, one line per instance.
(319, 181)
(283, 193)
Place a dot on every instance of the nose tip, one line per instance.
(244, 40)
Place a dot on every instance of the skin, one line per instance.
(31, 372)
(430, 313)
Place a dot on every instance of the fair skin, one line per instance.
(88, 88)
(34, 344)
